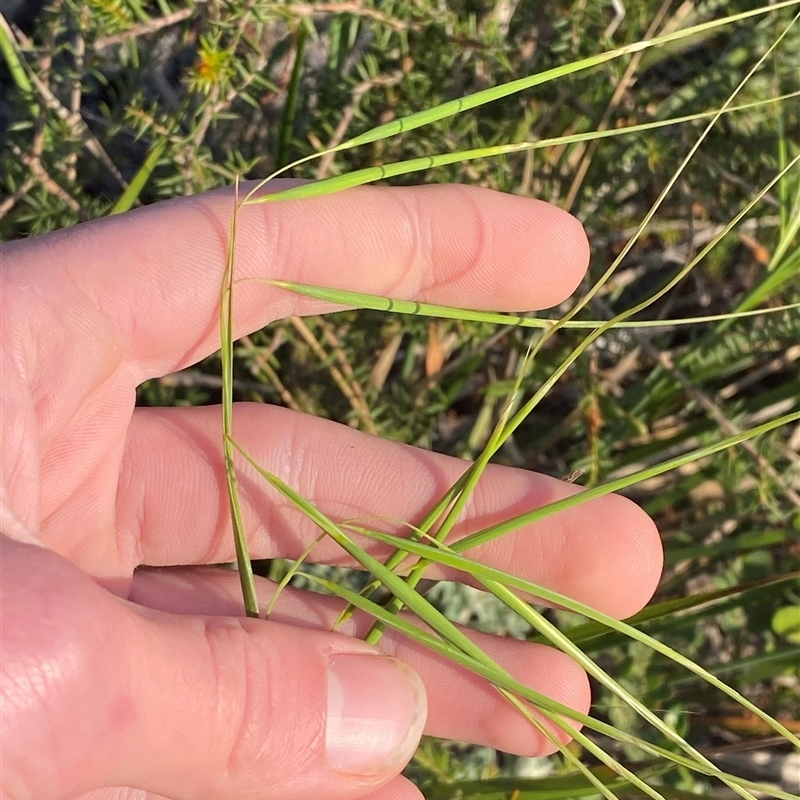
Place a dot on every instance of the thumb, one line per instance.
(105, 693)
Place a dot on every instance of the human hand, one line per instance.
(114, 676)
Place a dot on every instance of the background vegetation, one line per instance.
(124, 102)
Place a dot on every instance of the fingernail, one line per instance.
(376, 711)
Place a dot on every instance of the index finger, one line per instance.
(140, 291)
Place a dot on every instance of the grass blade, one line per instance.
(243, 563)
(449, 556)
(131, 194)
(397, 169)
(374, 302)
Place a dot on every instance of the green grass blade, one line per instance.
(559, 787)
(454, 512)
(547, 385)
(588, 296)
(135, 187)
(573, 356)
(243, 563)
(597, 636)
(480, 98)
(10, 52)
(290, 573)
(292, 93)
(412, 599)
(468, 102)
(452, 637)
(367, 175)
(453, 640)
(786, 261)
(373, 302)
(495, 442)
(622, 483)
(517, 420)
(500, 678)
(563, 643)
(450, 557)
(619, 484)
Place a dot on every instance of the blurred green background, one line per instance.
(120, 103)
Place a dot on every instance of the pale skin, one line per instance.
(125, 661)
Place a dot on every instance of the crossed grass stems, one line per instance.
(427, 541)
